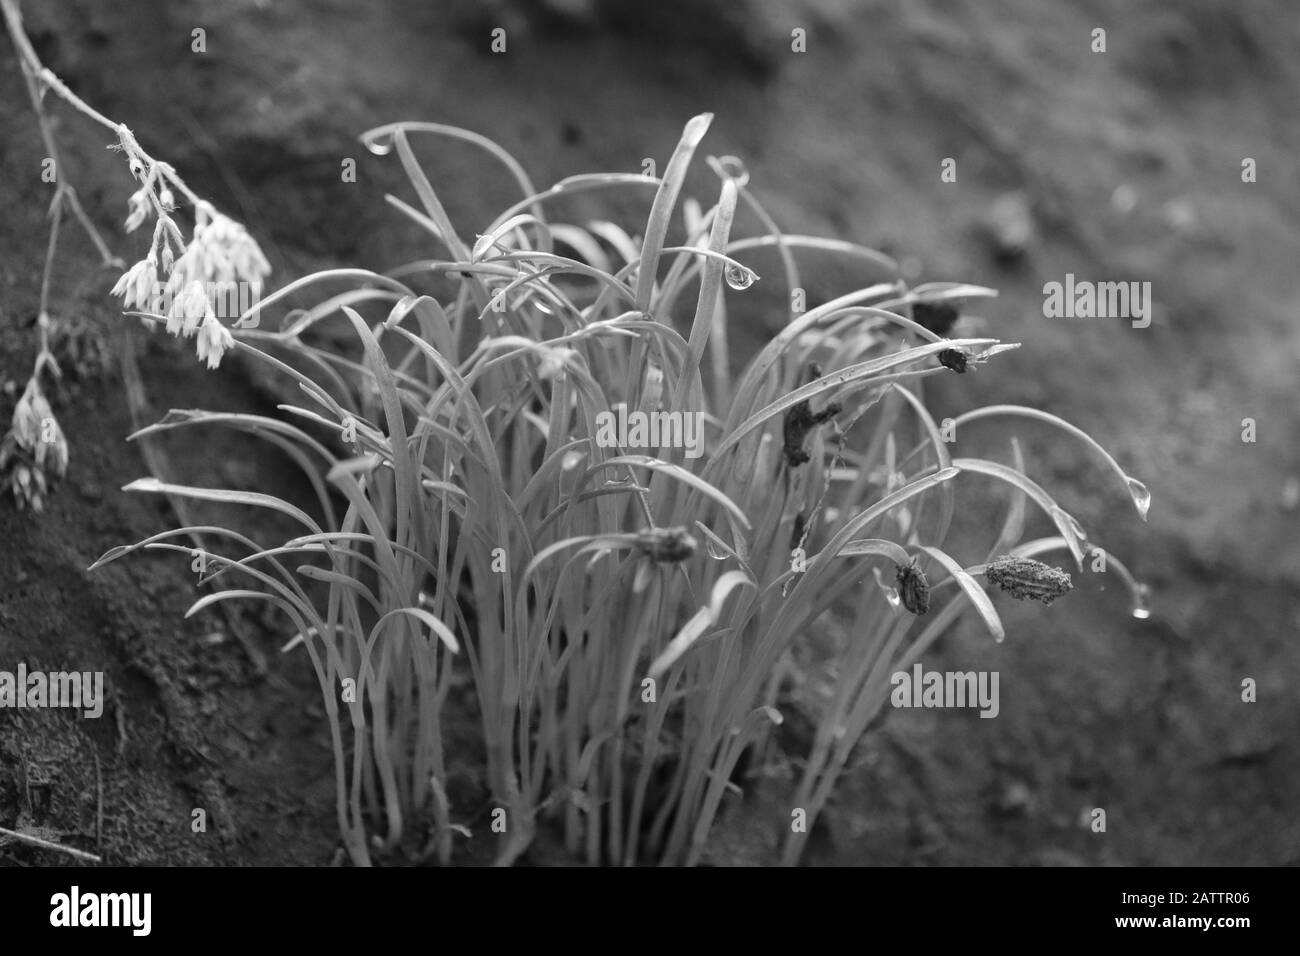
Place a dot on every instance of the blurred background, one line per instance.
(1122, 165)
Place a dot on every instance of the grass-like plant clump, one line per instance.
(629, 607)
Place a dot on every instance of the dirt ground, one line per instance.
(1129, 163)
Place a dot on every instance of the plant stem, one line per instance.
(32, 68)
(47, 845)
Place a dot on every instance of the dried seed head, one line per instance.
(135, 284)
(954, 359)
(938, 317)
(28, 413)
(221, 252)
(913, 588)
(52, 449)
(213, 341)
(1025, 578)
(188, 309)
(667, 545)
(33, 446)
(138, 210)
(800, 420)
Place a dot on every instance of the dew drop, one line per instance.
(1141, 496)
(1141, 602)
(739, 277)
(891, 593)
(380, 145)
(715, 552)
(1071, 524)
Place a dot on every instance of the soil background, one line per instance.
(1117, 166)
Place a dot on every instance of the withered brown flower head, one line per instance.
(954, 359)
(1025, 578)
(667, 545)
(800, 420)
(913, 588)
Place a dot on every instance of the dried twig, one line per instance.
(47, 845)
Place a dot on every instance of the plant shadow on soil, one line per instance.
(1143, 719)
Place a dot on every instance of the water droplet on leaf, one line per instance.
(1071, 524)
(891, 593)
(380, 145)
(1141, 496)
(1142, 602)
(738, 277)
